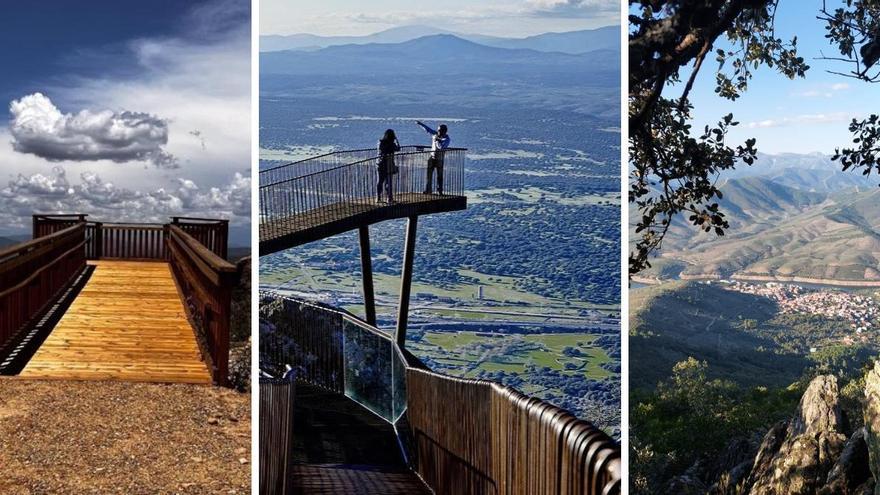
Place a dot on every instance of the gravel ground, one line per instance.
(112, 437)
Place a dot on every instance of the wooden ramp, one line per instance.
(128, 323)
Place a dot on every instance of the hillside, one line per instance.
(792, 218)
(672, 322)
(835, 240)
(8, 240)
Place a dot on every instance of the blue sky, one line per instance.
(48, 41)
(798, 116)
(127, 111)
(510, 18)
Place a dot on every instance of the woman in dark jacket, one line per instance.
(388, 145)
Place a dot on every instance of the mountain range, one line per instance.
(8, 240)
(445, 71)
(440, 54)
(573, 42)
(791, 217)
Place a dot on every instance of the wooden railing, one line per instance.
(206, 281)
(32, 274)
(136, 241)
(480, 437)
(213, 234)
(276, 435)
(460, 436)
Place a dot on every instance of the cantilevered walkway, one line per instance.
(345, 409)
(134, 302)
(330, 194)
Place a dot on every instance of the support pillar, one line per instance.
(367, 275)
(409, 251)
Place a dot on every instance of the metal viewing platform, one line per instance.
(323, 196)
(345, 409)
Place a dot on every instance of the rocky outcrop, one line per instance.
(812, 444)
(685, 485)
(872, 420)
(808, 454)
(851, 469)
(770, 445)
(732, 468)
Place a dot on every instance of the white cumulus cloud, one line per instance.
(38, 127)
(104, 200)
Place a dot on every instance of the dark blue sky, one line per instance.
(156, 68)
(50, 42)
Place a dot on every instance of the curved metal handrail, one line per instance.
(445, 414)
(370, 160)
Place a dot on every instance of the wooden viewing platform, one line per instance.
(110, 301)
(127, 323)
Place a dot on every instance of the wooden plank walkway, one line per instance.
(128, 323)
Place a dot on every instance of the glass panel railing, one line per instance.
(303, 337)
(398, 384)
(368, 362)
(333, 350)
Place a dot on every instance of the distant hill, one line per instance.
(446, 71)
(674, 321)
(240, 235)
(837, 239)
(574, 42)
(8, 240)
(442, 55)
(750, 205)
(808, 172)
(791, 216)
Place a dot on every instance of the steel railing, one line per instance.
(459, 435)
(331, 187)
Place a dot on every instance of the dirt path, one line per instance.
(113, 437)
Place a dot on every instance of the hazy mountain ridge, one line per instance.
(791, 216)
(448, 73)
(573, 42)
(441, 54)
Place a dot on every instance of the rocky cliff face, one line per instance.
(807, 454)
(813, 441)
(872, 421)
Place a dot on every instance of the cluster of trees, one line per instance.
(674, 167)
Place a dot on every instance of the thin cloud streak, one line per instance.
(807, 119)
